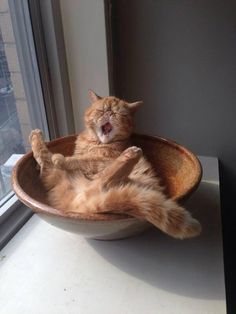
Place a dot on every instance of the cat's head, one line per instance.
(110, 118)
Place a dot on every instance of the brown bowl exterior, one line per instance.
(179, 169)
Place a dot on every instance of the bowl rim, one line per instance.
(42, 208)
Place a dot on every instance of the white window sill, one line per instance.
(47, 270)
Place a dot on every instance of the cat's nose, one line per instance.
(108, 114)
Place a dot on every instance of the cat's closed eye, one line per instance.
(120, 111)
(99, 110)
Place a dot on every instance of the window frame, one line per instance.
(38, 28)
(21, 23)
(51, 53)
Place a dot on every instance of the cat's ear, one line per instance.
(93, 96)
(134, 106)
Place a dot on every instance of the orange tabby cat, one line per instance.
(106, 175)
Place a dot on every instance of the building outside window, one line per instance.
(15, 123)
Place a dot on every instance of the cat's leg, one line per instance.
(115, 171)
(86, 166)
(70, 162)
(57, 182)
(120, 168)
(135, 200)
(67, 163)
(144, 204)
(40, 151)
(100, 187)
(45, 158)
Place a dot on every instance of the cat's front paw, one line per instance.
(58, 160)
(35, 134)
(132, 152)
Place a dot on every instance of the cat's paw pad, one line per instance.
(132, 152)
(58, 160)
(35, 134)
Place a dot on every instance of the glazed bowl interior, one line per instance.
(179, 169)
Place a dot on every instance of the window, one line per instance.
(15, 123)
(25, 88)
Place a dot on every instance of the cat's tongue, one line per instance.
(106, 128)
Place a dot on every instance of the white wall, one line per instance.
(85, 41)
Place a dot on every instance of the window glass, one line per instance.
(15, 124)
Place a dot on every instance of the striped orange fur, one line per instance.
(106, 174)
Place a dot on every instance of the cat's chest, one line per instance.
(98, 155)
(87, 146)
(97, 151)
(97, 159)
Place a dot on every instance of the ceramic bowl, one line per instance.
(178, 168)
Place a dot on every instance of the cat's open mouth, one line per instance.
(106, 128)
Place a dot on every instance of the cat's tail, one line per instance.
(146, 204)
